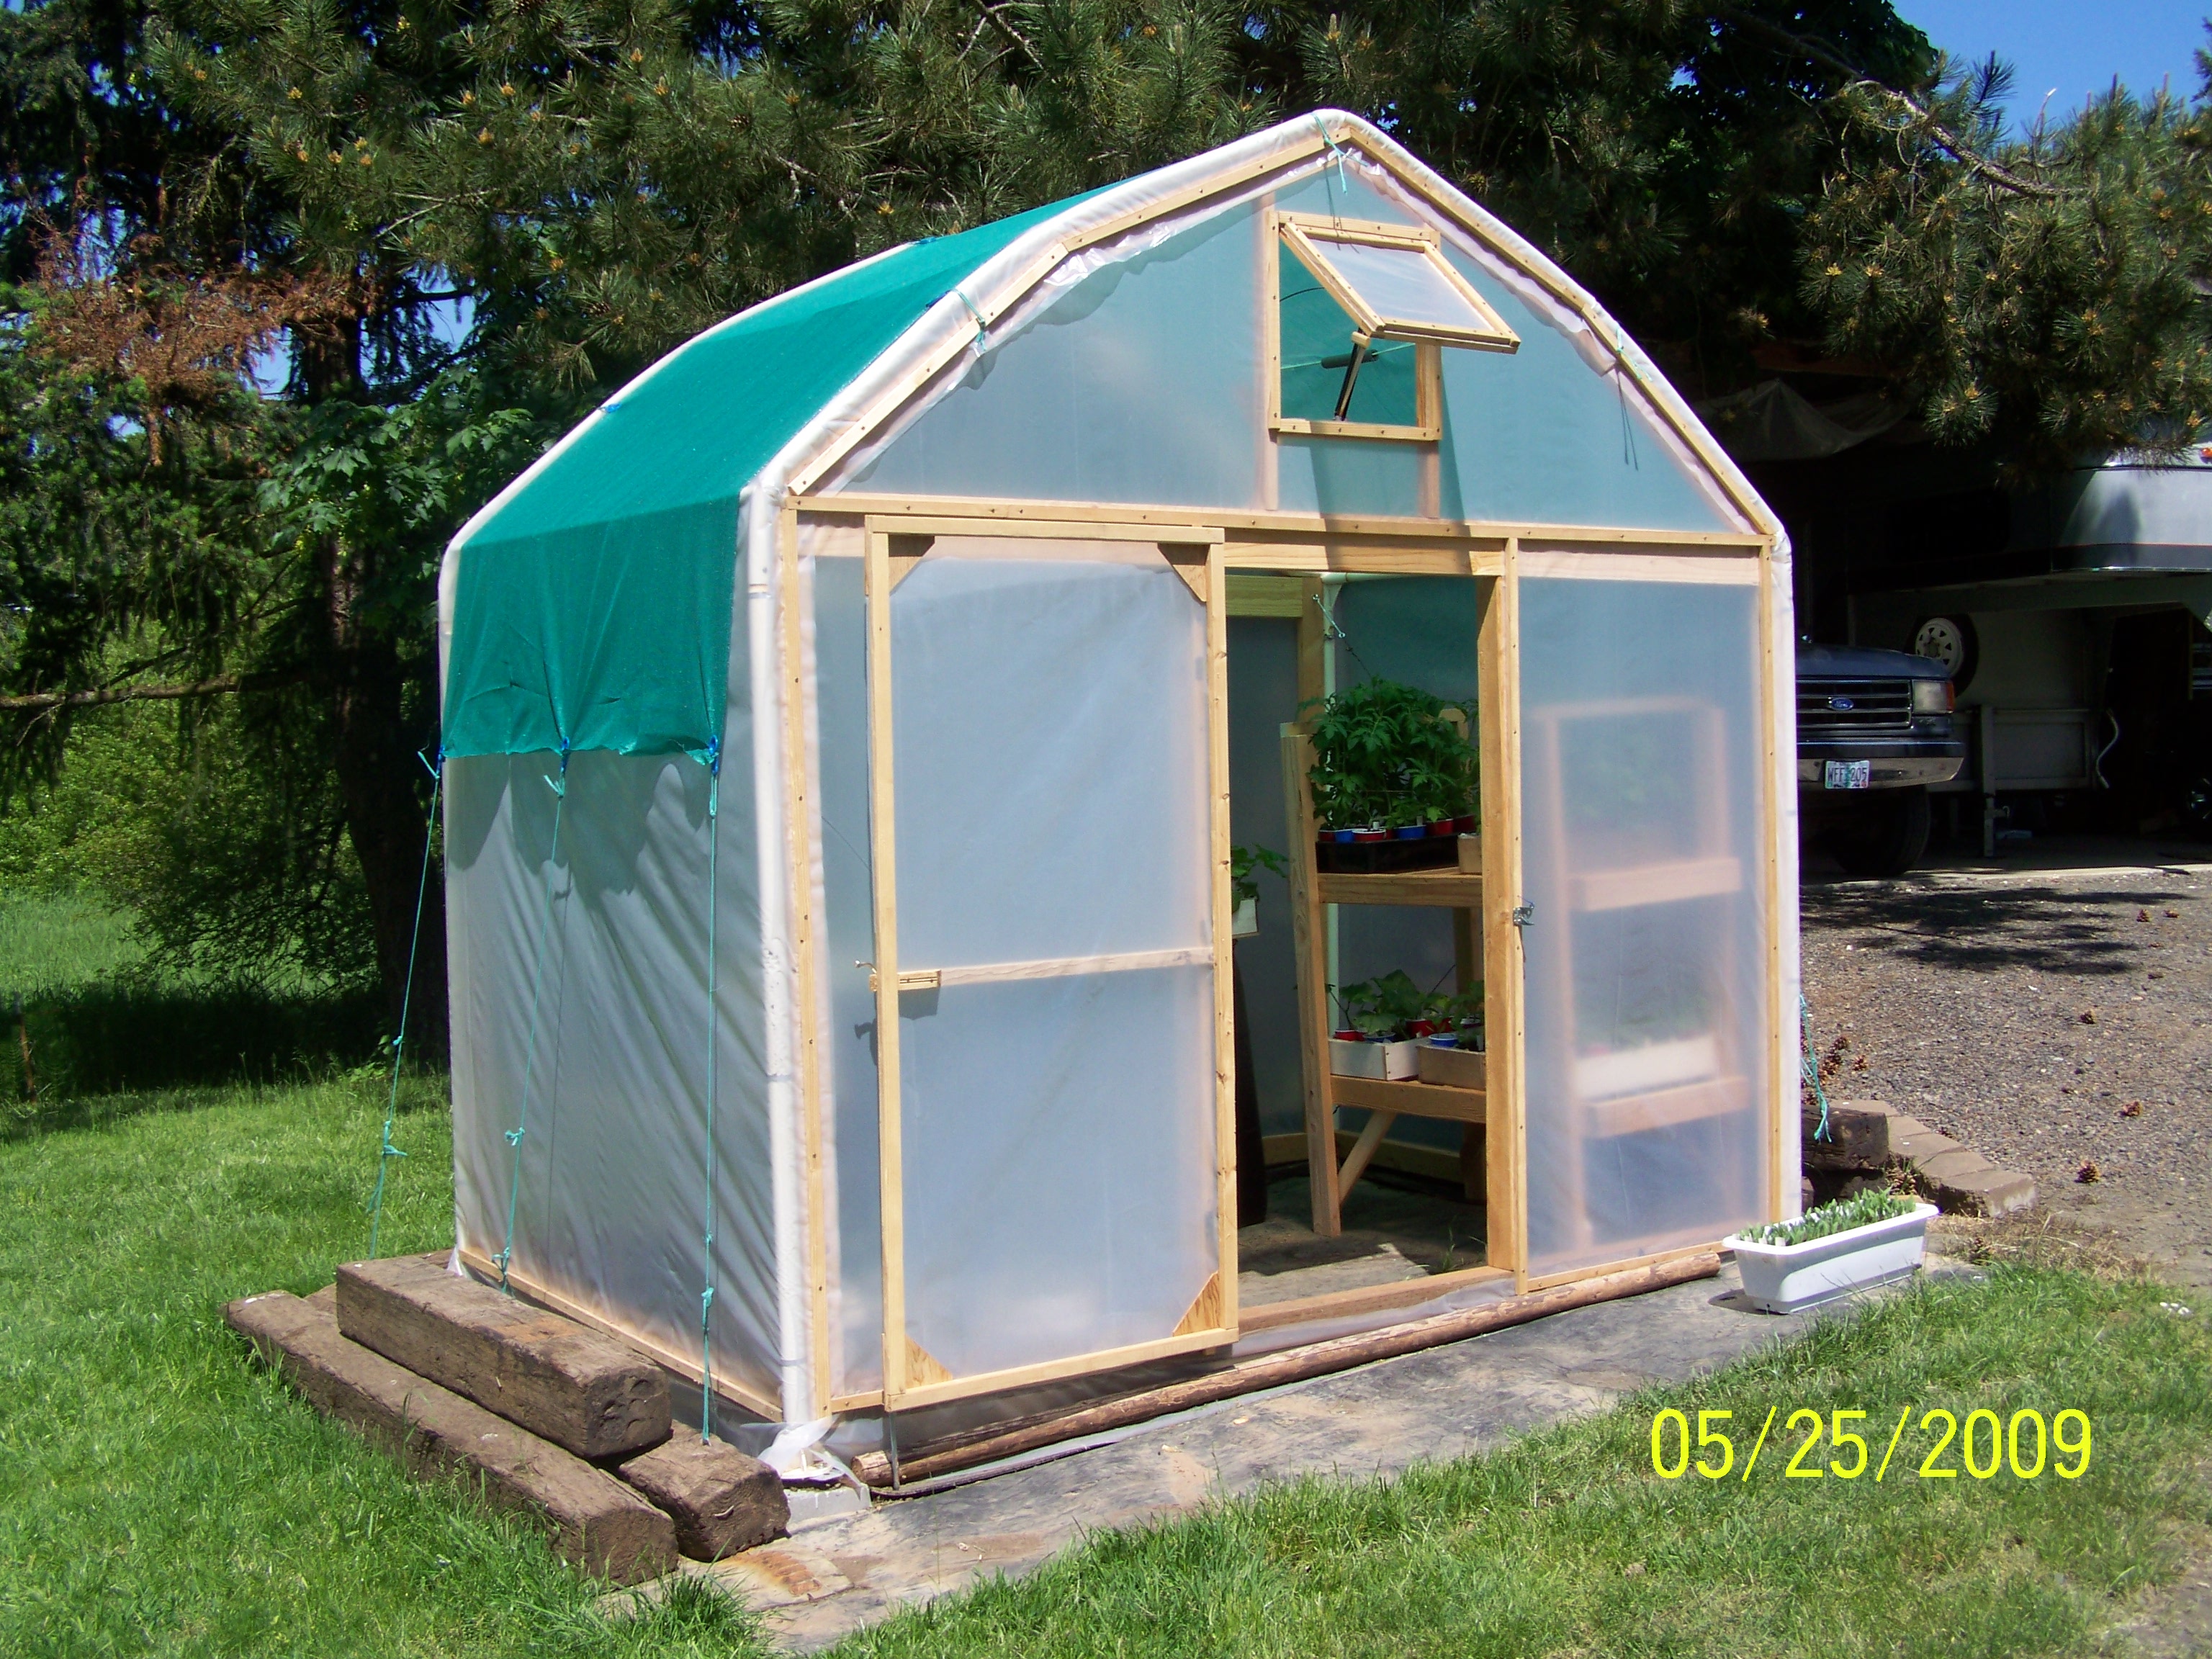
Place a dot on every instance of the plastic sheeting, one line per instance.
(1649, 1089)
(1133, 375)
(1057, 1128)
(612, 1206)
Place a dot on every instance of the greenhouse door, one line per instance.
(1048, 815)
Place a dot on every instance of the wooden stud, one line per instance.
(1205, 1312)
(1313, 643)
(1224, 930)
(1780, 1103)
(1499, 672)
(883, 830)
(1309, 931)
(799, 819)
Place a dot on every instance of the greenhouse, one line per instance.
(1198, 769)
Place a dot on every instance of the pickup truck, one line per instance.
(1875, 729)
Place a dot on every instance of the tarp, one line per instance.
(592, 604)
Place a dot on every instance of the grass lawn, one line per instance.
(158, 1494)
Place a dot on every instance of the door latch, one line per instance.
(1523, 915)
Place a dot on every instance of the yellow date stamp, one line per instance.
(1831, 1445)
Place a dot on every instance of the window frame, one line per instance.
(1300, 231)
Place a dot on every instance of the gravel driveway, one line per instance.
(2051, 1020)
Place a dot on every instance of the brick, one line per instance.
(597, 1523)
(562, 1381)
(721, 1500)
(1988, 1191)
(1859, 1135)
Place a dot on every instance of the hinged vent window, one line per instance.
(1363, 311)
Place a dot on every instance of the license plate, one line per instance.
(1849, 775)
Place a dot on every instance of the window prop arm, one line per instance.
(1359, 345)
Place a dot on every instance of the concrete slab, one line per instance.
(854, 1570)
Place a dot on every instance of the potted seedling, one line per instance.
(1391, 763)
(1852, 1244)
(1245, 864)
(1376, 1036)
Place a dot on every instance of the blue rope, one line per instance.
(386, 1151)
(706, 1294)
(1810, 1067)
(560, 787)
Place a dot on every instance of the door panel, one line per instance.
(1052, 1195)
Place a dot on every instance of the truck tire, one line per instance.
(1951, 642)
(1888, 837)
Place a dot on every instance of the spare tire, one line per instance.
(1887, 837)
(1951, 642)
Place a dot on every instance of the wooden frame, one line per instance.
(1303, 230)
(912, 1378)
(1428, 427)
(1498, 671)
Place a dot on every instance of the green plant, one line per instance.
(1391, 1007)
(1245, 864)
(1389, 754)
(1838, 1216)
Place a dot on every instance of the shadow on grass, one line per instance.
(128, 1043)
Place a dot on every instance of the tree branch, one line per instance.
(1856, 79)
(35, 702)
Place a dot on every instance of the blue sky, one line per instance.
(2070, 48)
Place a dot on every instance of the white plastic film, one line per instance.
(610, 1201)
(1649, 1083)
(1057, 1122)
(1401, 284)
(847, 1049)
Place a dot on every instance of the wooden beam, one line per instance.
(1222, 933)
(917, 1394)
(883, 833)
(1498, 673)
(1308, 936)
(1276, 1370)
(685, 1364)
(969, 509)
(1781, 1089)
(1378, 1125)
(1205, 1312)
(1366, 1298)
(799, 829)
(1073, 528)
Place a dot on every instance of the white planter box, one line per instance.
(1390, 1061)
(1246, 922)
(1784, 1278)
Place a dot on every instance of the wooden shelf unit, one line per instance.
(1312, 891)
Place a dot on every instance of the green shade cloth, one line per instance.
(1316, 346)
(594, 607)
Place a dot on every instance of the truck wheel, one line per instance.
(1951, 642)
(1886, 839)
